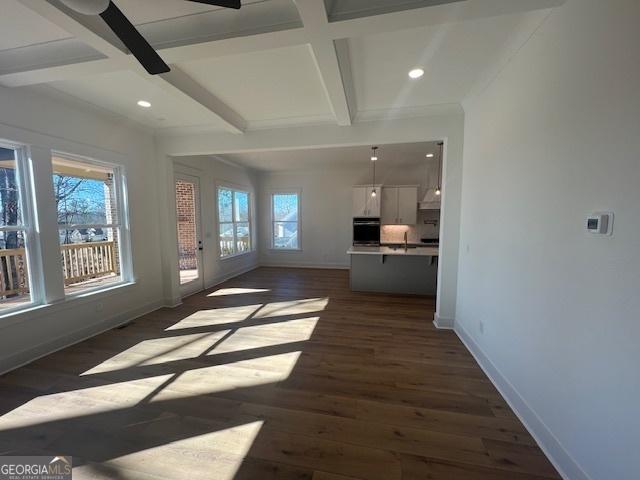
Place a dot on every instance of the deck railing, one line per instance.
(80, 262)
(13, 272)
(226, 245)
(84, 261)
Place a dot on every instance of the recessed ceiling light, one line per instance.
(429, 155)
(144, 104)
(416, 73)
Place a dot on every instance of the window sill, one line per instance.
(285, 250)
(70, 301)
(99, 291)
(236, 255)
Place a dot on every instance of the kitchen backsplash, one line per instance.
(395, 233)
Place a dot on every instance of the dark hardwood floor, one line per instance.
(276, 374)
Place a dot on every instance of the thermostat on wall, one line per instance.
(600, 223)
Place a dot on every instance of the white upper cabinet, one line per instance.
(359, 201)
(389, 206)
(399, 206)
(408, 205)
(364, 205)
(373, 203)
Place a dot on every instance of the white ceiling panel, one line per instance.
(454, 56)
(119, 93)
(20, 26)
(348, 9)
(272, 84)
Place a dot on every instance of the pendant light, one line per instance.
(374, 159)
(438, 188)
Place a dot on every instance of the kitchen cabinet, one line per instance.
(399, 206)
(364, 205)
(373, 203)
(408, 205)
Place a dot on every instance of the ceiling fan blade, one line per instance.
(220, 3)
(133, 40)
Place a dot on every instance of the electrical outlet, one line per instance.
(481, 326)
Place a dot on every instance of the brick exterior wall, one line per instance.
(187, 241)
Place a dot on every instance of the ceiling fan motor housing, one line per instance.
(87, 7)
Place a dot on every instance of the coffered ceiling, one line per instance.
(273, 63)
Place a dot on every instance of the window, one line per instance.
(87, 196)
(234, 221)
(285, 220)
(15, 229)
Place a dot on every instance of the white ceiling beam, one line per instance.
(314, 18)
(184, 85)
(441, 125)
(326, 60)
(433, 16)
(175, 83)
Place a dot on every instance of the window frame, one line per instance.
(121, 224)
(273, 221)
(234, 189)
(26, 188)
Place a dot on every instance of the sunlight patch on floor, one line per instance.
(216, 455)
(295, 307)
(216, 316)
(236, 291)
(271, 335)
(222, 378)
(281, 365)
(81, 402)
(160, 350)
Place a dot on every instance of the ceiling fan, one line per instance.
(128, 34)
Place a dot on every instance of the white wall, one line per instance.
(327, 218)
(45, 124)
(212, 172)
(554, 137)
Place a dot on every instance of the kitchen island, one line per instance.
(412, 270)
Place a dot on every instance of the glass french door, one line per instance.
(189, 237)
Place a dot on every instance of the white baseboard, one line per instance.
(328, 266)
(32, 354)
(229, 275)
(559, 457)
(443, 323)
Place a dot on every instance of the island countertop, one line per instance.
(416, 252)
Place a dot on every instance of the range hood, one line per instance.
(431, 201)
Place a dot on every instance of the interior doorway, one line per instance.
(189, 229)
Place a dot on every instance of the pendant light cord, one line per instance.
(374, 174)
(440, 144)
(374, 155)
